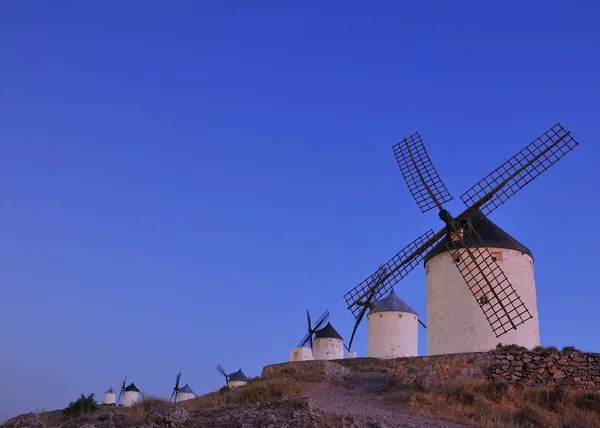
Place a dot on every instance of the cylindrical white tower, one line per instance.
(109, 397)
(455, 320)
(131, 395)
(328, 344)
(184, 394)
(393, 328)
(237, 379)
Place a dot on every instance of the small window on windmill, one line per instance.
(497, 256)
(456, 257)
(483, 300)
(457, 236)
(295, 355)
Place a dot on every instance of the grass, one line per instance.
(489, 404)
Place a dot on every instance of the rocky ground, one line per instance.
(345, 404)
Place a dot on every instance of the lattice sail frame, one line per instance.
(506, 180)
(496, 296)
(419, 173)
(396, 268)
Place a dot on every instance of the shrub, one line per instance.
(528, 417)
(548, 398)
(510, 348)
(588, 401)
(570, 349)
(82, 406)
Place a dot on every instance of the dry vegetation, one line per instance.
(490, 404)
(256, 390)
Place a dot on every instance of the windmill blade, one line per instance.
(395, 269)
(177, 381)
(420, 175)
(366, 304)
(497, 298)
(176, 387)
(308, 320)
(321, 320)
(510, 177)
(421, 322)
(305, 340)
(122, 388)
(221, 370)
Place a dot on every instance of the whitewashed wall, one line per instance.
(109, 398)
(456, 323)
(392, 334)
(183, 396)
(130, 398)
(328, 349)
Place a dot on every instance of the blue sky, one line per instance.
(181, 180)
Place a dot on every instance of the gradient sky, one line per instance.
(181, 180)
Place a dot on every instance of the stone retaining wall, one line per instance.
(573, 369)
(576, 370)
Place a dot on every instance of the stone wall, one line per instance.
(571, 369)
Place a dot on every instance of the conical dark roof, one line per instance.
(491, 234)
(132, 387)
(110, 390)
(391, 303)
(238, 376)
(327, 332)
(186, 388)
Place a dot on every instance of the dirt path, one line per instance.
(367, 409)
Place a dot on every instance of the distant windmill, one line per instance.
(368, 302)
(233, 379)
(131, 394)
(185, 393)
(110, 397)
(301, 352)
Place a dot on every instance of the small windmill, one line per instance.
(308, 337)
(232, 379)
(221, 370)
(176, 387)
(485, 279)
(368, 303)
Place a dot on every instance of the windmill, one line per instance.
(368, 302)
(233, 379)
(308, 337)
(486, 281)
(176, 387)
(131, 394)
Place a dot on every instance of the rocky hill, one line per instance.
(505, 388)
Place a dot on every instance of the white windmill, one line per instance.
(392, 328)
(131, 394)
(480, 282)
(110, 397)
(328, 344)
(181, 394)
(234, 379)
(185, 393)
